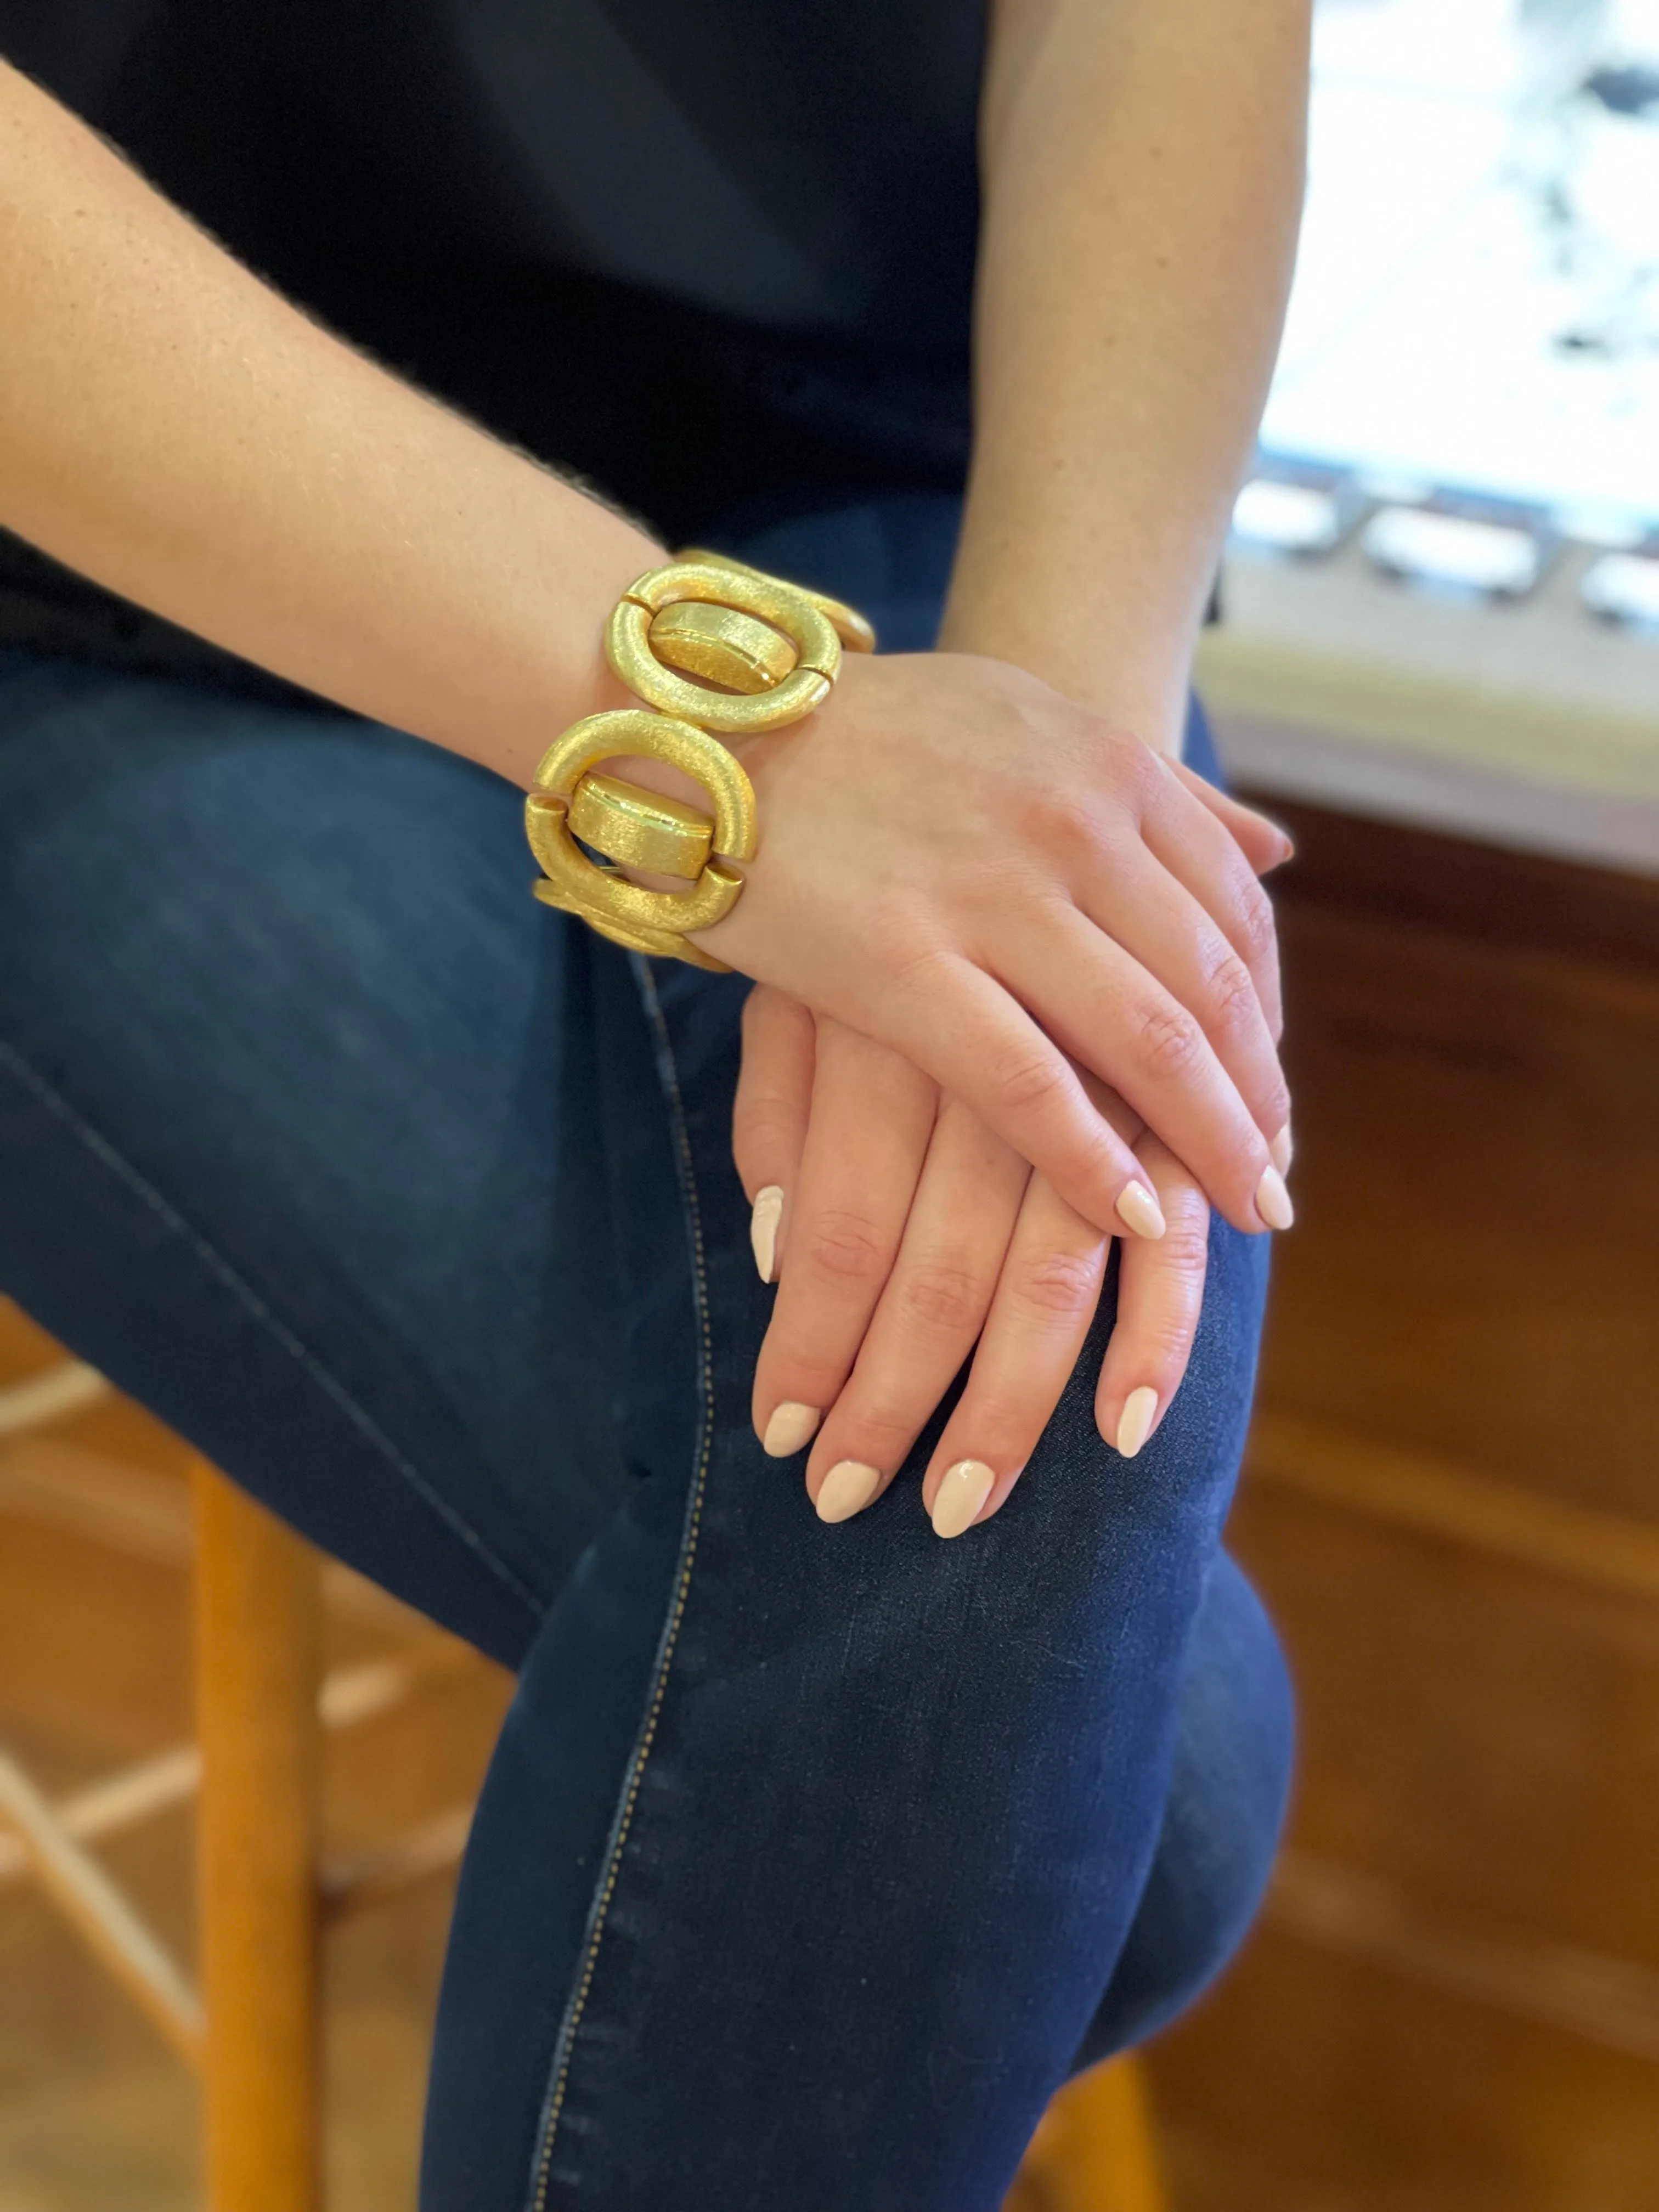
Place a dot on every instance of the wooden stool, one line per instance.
(253, 2030)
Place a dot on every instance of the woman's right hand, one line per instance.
(964, 866)
(907, 1243)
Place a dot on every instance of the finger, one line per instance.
(979, 1045)
(1263, 842)
(1200, 851)
(1148, 910)
(1160, 1292)
(872, 1115)
(770, 1113)
(1102, 1007)
(1045, 1300)
(928, 1315)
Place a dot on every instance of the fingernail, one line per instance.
(847, 1489)
(1273, 1200)
(960, 1496)
(764, 1227)
(790, 1427)
(1282, 1150)
(1140, 1210)
(1140, 1411)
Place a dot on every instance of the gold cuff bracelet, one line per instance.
(713, 645)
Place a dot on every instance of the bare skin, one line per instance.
(171, 427)
(1143, 171)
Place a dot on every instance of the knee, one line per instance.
(1228, 1787)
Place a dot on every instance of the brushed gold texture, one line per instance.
(597, 891)
(722, 646)
(628, 646)
(640, 828)
(849, 625)
(663, 944)
(635, 730)
(647, 920)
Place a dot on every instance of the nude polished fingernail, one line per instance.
(961, 1497)
(790, 1427)
(1140, 1210)
(1135, 1425)
(1273, 1200)
(763, 1228)
(1282, 1148)
(847, 1489)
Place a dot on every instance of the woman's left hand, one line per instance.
(904, 1237)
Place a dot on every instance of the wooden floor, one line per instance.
(1452, 1506)
(95, 2114)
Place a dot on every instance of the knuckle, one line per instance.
(884, 1423)
(1258, 931)
(1062, 1285)
(796, 1370)
(1167, 1345)
(844, 1247)
(1132, 766)
(1030, 1085)
(916, 963)
(1232, 994)
(994, 1418)
(1168, 1043)
(942, 1296)
(766, 1122)
(1036, 812)
(1185, 1244)
(1059, 820)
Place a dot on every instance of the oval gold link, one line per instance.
(628, 645)
(857, 635)
(663, 942)
(628, 648)
(722, 646)
(712, 896)
(722, 585)
(658, 737)
(640, 828)
(653, 920)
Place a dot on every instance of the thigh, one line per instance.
(862, 1832)
(312, 1125)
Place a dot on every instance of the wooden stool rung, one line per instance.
(100, 1915)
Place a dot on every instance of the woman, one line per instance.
(812, 1858)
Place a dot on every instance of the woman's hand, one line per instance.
(903, 1235)
(964, 866)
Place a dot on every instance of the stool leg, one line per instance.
(1094, 2151)
(258, 1651)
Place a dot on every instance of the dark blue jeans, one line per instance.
(811, 1859)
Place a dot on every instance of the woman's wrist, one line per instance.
(1136, 685)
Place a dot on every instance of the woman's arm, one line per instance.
(955, 859)
(1143, 164)
(1142, 168)
(171, 427)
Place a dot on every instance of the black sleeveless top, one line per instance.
(704, 253)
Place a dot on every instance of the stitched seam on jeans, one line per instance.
(565, 2049)
(105, 1153)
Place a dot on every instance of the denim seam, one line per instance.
(564, 2050)
(108, 1157)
